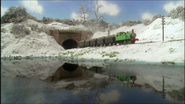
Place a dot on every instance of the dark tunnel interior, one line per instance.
(69, 44)
(70, 67)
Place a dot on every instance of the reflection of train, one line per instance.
(126, 78)
(121, 38)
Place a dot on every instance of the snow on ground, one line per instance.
(57, 25)
(33, 44)
(41, 44)
(152, 52)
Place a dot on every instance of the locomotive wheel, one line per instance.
(120, 43)
(133, 78)
(133, 42)
(124, 42)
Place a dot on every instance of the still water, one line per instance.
(58, 81)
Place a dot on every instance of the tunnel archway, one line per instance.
(70, 67)
(69, 44)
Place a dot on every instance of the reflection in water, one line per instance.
(95, 84)
(163, 89)
(77, 73)
(70, 72)
(177, 95)
(96, 69)
(70, 67)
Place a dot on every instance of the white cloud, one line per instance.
(169, 6)
(76, 17)
(109, 8)
(33, 6)
(147, 15)
(3, 10)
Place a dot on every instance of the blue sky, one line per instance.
(115, 11)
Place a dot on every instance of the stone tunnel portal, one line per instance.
(69, 44)
(69, 38)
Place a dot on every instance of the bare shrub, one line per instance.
(147, 22)
(47, 20)
(94, 27)
(177, 13)
(130, 23)
(91, 24)
(16, 14)
(19, 30)
(155, 17)
(58, 20)
(43, 29)
(68, 21)
(3, 30)
(113, 26)
(34, 27)
(103, 24)
(77, 22)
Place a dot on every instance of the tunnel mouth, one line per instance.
(69, 44)
(70, 67)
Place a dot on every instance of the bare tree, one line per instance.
(16, 14)
(177, 13)
(83, 12)
(96, 8)
(147, 21)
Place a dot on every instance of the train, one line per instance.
(120, 38)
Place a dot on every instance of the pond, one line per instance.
(59, 81)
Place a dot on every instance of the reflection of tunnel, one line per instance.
(67, 70)
(70, 67)
(69, 43)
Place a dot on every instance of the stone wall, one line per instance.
(62, 35)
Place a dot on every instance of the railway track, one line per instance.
(147, 42)
(159, 41)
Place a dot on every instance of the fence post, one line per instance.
(163, 23)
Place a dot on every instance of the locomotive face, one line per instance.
(133, 35)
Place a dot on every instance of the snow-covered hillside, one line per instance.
(36, 44)
(33, 44)
(41, 44)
